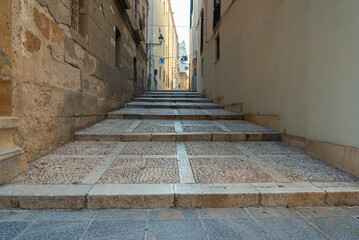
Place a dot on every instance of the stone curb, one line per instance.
(150, 196)
(178, 137)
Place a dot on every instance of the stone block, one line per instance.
(126, 196)
(11, 161)
(216, 195)
(163, 137)
(228, 137)
(43, 196)
(136, 137)
(341, 193)
(186, 137)
(290, 194)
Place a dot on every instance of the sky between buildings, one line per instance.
(181, 10)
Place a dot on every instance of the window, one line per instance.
(202, 68)
(118, 47)
(202, 32)
(160, 72)
(135, 70)
(216, 12)
(218, 48)
(79, 16)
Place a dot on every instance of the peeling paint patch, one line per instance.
(33, 43)
(4, 63)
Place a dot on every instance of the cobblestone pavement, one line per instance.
(166, 224)
(157, 162)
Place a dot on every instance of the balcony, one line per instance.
(139, 27)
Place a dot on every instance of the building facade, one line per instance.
(183, 67)
(64, 65)
(163, 61)
(287, 65)
(193, 45)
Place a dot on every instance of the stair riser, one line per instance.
(176, 117)
(179, 137)
(172, 107)
(175, 196)
(170, 96)
(172, 100)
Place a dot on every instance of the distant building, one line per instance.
(193, 45)
(183, 66)
(163, 61)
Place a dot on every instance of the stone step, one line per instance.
(178, 137)
(153, 99)
(174, 114)
(171, 95)
(172, 92)
(180, 105)
(151, 196)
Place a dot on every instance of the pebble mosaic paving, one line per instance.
(168, 126)
(156, 163)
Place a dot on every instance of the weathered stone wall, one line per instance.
(5, 58)
(64, 80)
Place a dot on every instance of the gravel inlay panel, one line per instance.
(227, 170)
(196, 122)
(243, 126)
(303, 168)
(212, 148)
(155, 127)
(272, 148)
(109, 126)
(191, 112)
(85, 148)
(159, 111)
(145, 171)
(150, 148)
(202, 129)
(57, 170)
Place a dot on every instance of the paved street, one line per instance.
(166, 224)
(152, 155)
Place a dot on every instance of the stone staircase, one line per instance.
(176, 149)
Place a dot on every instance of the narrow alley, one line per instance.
(179, 119)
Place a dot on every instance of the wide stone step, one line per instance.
(174, 114)
(180, 105)
(153, 99)
(152, 196)
(172, 92)
(178, 137)
(176, 131)
(171, 95)
(105, 175)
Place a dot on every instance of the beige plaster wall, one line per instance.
(333, 78)
(292, 63)
(294, 59)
